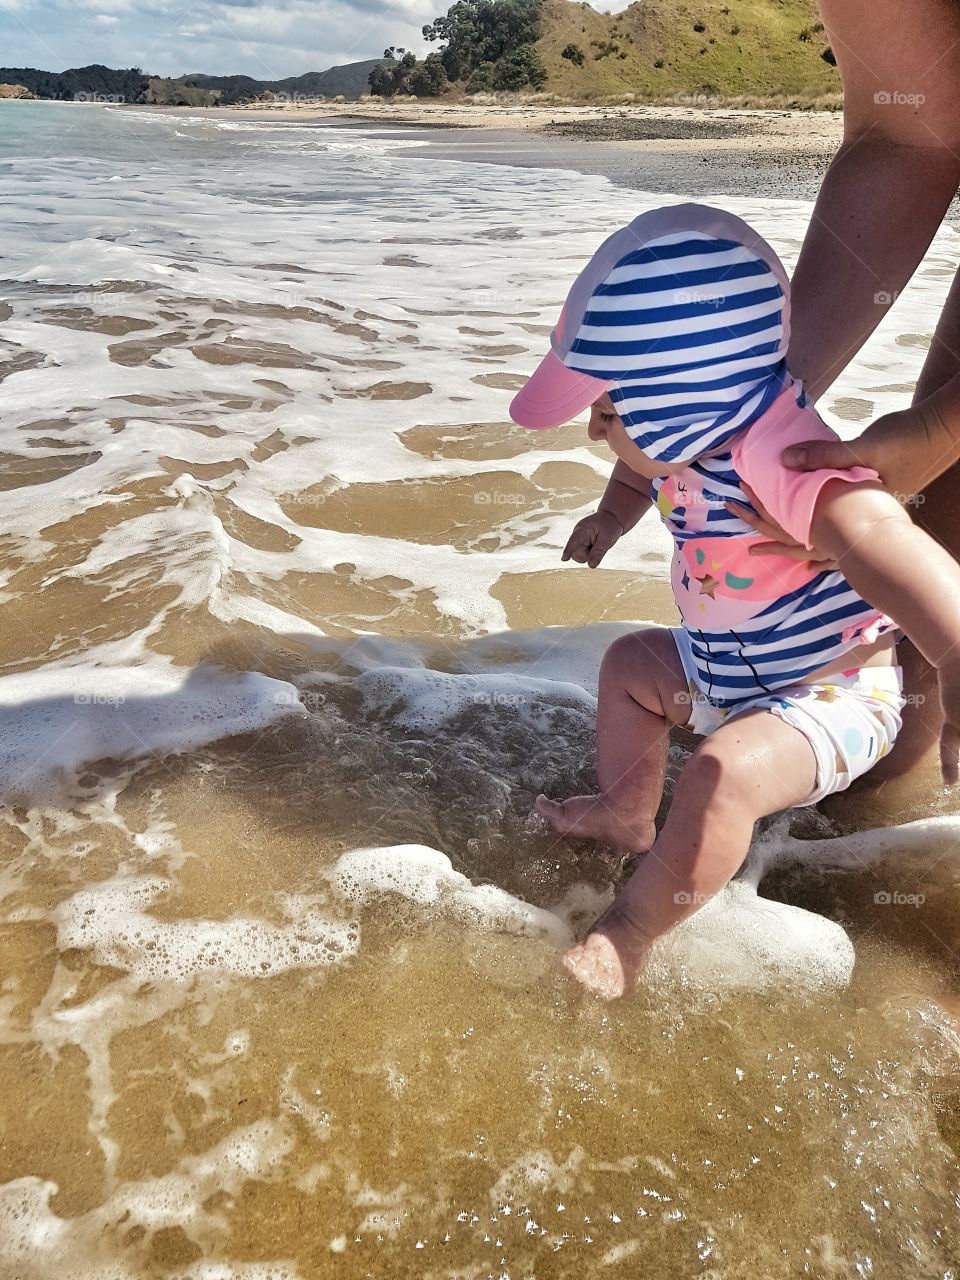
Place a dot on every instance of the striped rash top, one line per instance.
(685, 316)
(757, 624)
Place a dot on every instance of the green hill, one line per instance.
(663, 48)
(104, 84)
(349, 81)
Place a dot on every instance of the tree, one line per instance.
(481, 80)
(573, 53)
(393, 75)
(521, 68)
(428, 78)
(476, 31)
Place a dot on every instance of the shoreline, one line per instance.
(686, 150)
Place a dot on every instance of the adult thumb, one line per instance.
(818, 455)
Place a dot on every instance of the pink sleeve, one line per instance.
(789, 496)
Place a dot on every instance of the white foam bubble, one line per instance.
(55, 718)
(111, 920)
(742, 940)
(34, 1238)
(426, 876)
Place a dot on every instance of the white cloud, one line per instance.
(269, 40)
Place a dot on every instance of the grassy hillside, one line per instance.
(662, 48)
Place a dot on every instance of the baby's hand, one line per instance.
(592, 538)
(948, 677)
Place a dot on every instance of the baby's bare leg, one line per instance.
(753, 765)
(642, 692)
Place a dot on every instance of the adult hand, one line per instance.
(907, 449)
(780, 542)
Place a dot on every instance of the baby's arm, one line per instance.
(625, 500)
(904, 573)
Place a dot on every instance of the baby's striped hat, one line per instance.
(683, 317)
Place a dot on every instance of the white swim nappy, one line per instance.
(851, 718)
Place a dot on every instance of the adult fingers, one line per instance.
(761, 523)
(820, 455)
(791, 553)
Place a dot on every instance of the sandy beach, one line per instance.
(683, 149)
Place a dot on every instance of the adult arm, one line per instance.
(890, 184)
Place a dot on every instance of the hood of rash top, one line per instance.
(683, 317)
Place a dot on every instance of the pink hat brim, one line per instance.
(554, 394)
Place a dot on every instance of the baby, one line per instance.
(675, 336)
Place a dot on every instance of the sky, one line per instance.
(266, 39)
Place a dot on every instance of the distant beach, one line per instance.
(682, 149)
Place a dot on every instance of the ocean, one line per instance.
(287, 651)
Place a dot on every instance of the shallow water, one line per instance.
(287, 651)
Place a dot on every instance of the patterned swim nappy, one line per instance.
(851, 718)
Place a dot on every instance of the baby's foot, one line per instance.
(610, 958)
(598, 819)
